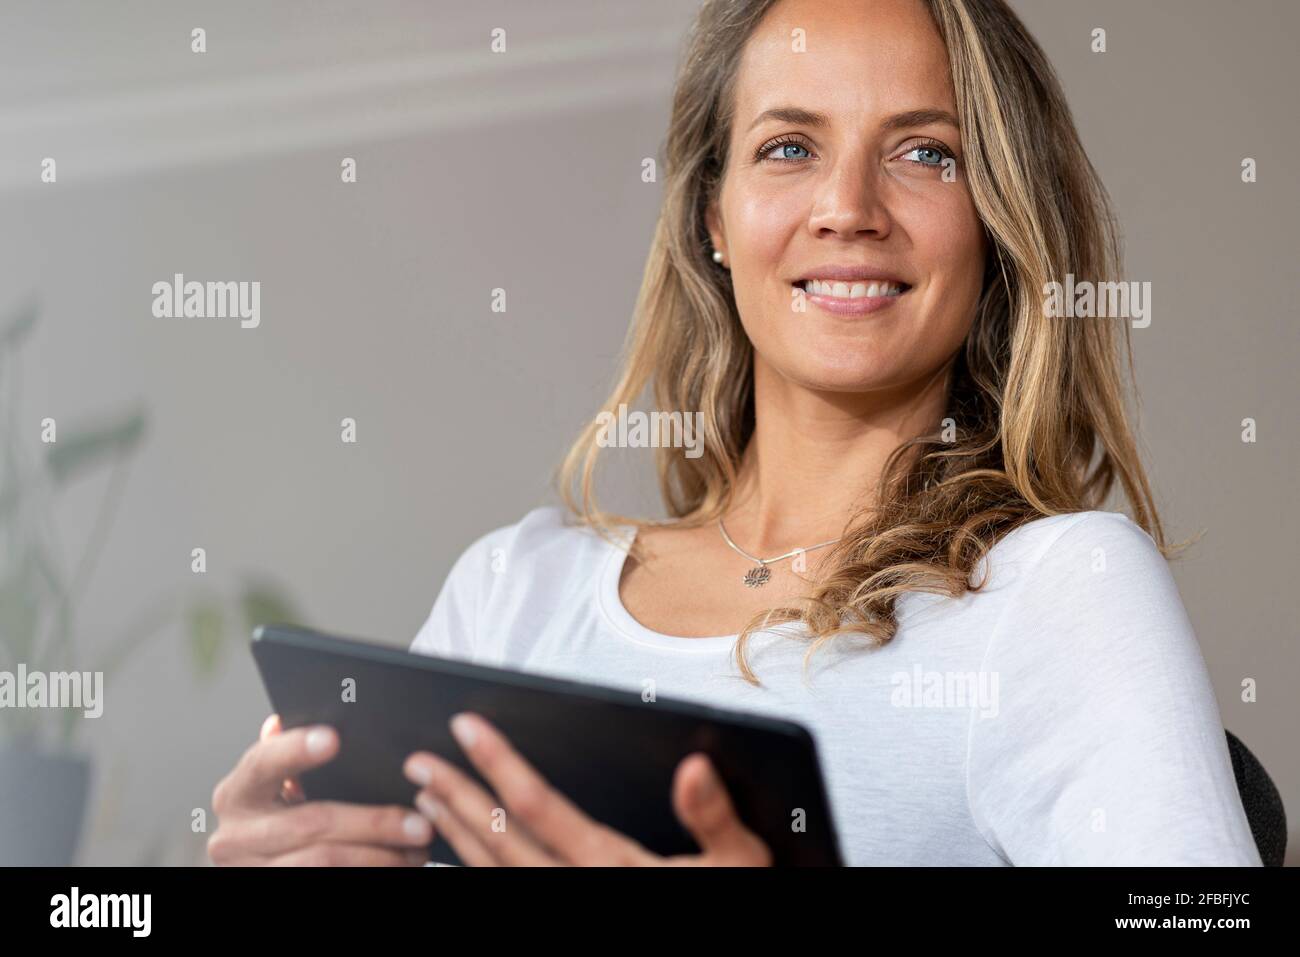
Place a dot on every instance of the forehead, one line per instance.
(861, 57)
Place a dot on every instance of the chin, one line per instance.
(844, 376)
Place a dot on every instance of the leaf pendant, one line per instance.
(757, 576)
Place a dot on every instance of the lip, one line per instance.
(861, 306)
(848, 274)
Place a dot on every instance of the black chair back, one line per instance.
(1262, 802)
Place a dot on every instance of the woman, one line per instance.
(899, 497)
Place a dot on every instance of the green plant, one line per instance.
(38, 598)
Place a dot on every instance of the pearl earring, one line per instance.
(717, 256)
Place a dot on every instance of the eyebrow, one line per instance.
(801, 117)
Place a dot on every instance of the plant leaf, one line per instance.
(66, 457)
(17, 325)
(20, 610)
(206, 630)
(263, 604)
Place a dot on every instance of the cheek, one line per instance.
(948, 246)
(761, 223)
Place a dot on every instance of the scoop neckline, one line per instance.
(616, 613)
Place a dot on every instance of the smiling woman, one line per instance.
(821, 149)
(902, 478)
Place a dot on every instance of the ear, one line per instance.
(714, 224)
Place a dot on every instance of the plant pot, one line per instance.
(42, 803)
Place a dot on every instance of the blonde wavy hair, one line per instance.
(1041, 425)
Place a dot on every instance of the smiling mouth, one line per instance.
(861, 289)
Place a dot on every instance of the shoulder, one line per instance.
(522, 569)
(1087, 583)
(1058, 549)
(1045, 537)
(544, 535)
(1057, 559)
(546, 551)
(1091, 570)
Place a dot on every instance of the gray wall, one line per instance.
(523, 171)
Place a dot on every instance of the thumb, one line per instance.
(290, 790)
(705, 809)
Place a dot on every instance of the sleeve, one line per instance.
(1106, 746)
(450, 629)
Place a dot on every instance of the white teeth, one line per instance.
(858, 290)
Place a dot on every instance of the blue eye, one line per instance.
(777, 150)
(783, 148)
(928, 155)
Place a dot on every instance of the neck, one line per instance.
(815, 457)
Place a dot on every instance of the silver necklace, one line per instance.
(758, 576)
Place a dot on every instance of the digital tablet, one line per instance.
(612, 753)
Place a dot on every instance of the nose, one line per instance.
(848, 203)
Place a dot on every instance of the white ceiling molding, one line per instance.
(96, 135)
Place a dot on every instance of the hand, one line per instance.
(264, 818)
(542, 827)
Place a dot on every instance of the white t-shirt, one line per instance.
(1063, 715)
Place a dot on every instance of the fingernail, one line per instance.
(419, 771)
(417, 828)
(462, 726)
(318, 740)
(430, 808)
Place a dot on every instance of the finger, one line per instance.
(471, 851)
(546, 813)
(322, 822)
(290, 791)
(705, 809)
(495, 826)
(260, 774)
(480, 815)
(348, 855)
